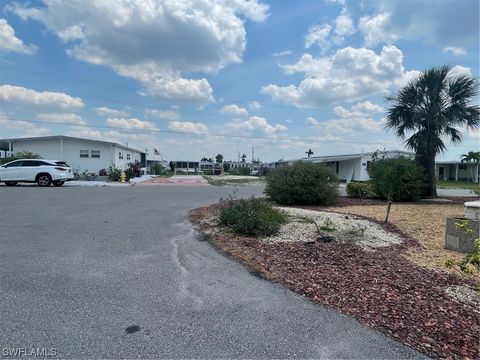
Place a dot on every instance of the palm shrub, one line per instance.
(396, 179)
(302, 182)
(252, 217)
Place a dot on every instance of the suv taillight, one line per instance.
(60, 168)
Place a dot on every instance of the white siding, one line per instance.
(70, 152)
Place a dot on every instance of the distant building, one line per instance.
(79, 153)
(186, 167)
(347, 167)
(456, 170)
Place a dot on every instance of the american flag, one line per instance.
(156, 152)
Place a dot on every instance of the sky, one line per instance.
(195, 78)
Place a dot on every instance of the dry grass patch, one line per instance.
(424, 222)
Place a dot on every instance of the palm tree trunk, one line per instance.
(427, 163)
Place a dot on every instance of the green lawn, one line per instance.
(457, 185)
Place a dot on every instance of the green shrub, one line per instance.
(302, 183)
(360, 189)
(253, 217)
(241, 170)
(158, 169)
(114, 173)
(397, 179)
(102, 172)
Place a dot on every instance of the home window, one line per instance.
(120, 155)
(128, 156)
(84, 153)
(95, 154)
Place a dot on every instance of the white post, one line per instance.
(10, 148)
(456, 172)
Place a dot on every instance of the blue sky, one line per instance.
(279, 76)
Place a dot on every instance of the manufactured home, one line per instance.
(81, 154)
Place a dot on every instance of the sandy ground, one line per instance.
(425, 222)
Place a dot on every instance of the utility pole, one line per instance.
(253, 154)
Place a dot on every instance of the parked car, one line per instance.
(43, 172)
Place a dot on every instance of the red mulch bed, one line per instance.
(381, 288)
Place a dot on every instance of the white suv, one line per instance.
(43, 172)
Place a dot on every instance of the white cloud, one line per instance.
(135, 140)
(458, 70)
(455, 50)
(187, 126)
(348, 74)
(132, 123)
(61, 118)
(344, 26)
(255, 123)
(254, 105)
(327, 34)
(154, 42)
(21, 95)
(106, 111)
(358, 110)
(450, 23)
(234, 110)
(376, 30)
(318, 35)
(163, 114)
(351, 126)
(9, 42)
(282, 53)
(21, 128)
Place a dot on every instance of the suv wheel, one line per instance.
(44, 180)
(58, 183)
(10, 183)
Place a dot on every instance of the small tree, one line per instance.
(172, 165)
(309, 152)
(396, 179)
(219, 158)
(226, 167)
(302, 183)
(244, 158)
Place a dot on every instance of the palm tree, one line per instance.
(429, 109)
(309, 152)
(27, 155)
(471, 157)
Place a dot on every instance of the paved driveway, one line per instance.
(79, 265)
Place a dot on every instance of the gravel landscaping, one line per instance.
(424, 222)
(432, 311)
(304, 227)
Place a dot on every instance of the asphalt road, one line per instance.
(78, 265)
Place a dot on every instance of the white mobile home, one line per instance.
(456, 170)
(353, 166)
(347, 167)
(81, 154)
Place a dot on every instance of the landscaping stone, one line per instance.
(460, 240)
(472, 210)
